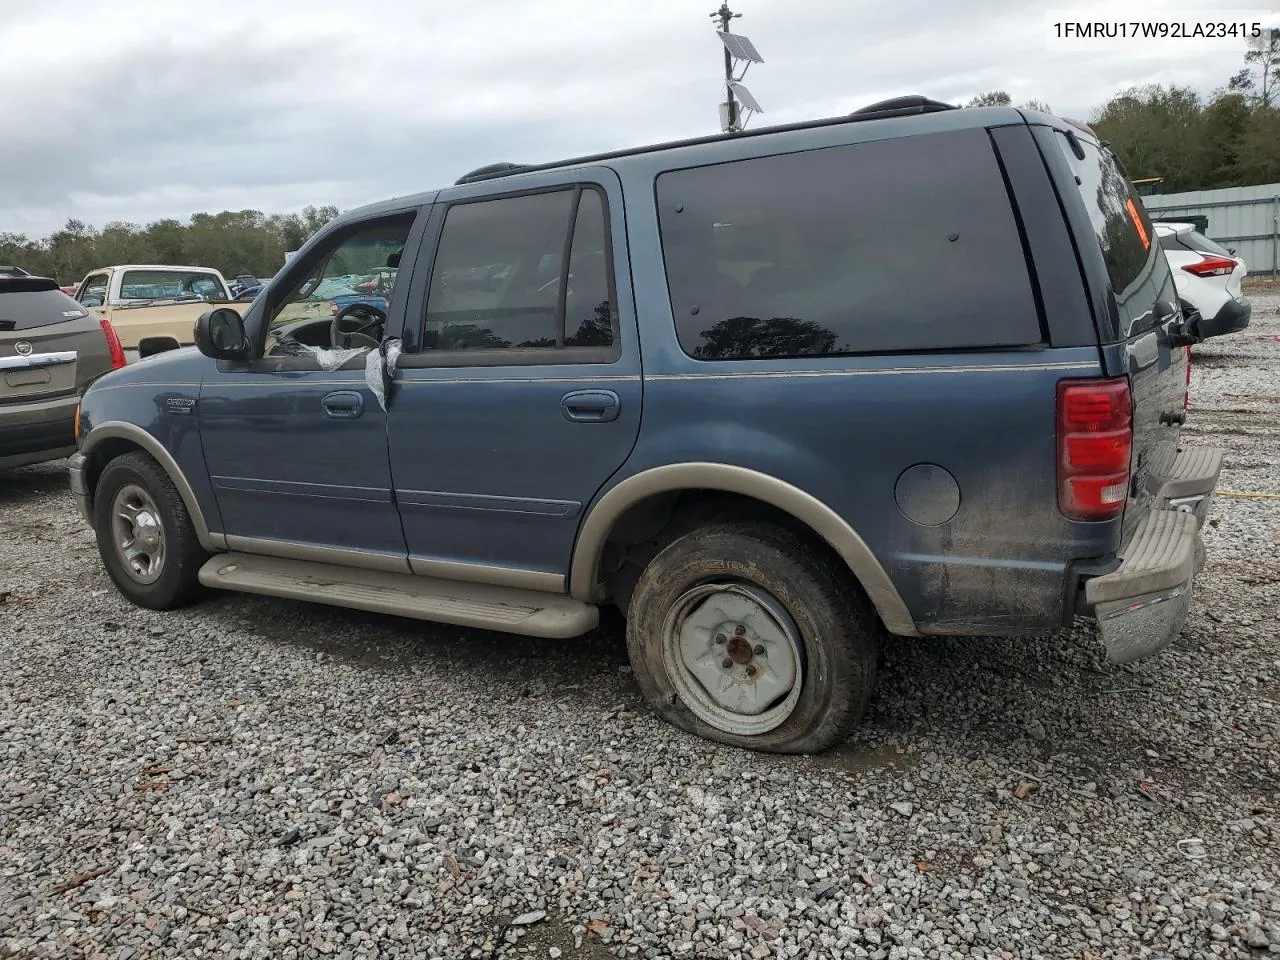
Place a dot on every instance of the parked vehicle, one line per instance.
(13, 272)
(767, 412)
(153, 308)
(50, 350)
(1208, 276)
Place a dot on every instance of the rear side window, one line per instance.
(169, 285)
(1128, 240)
(524, 273)
(1201, 244)
(896, 245)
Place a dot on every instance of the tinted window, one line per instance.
(894, 245)
(1199, 242)
(1124, 232)
(499, 279)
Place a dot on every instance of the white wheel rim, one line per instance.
(734, 657)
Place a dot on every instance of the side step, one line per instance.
(504, 609)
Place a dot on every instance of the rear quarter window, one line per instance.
(896, 245)
(1138, 272)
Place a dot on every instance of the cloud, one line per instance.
(137, 109)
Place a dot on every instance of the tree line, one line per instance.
(234, 242)
(1230, 138)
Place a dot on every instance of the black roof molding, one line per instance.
(902, 106)
(490, 171)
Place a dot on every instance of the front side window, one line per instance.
(525, 273)
(342, 297)
(889, 246)
(170, 285)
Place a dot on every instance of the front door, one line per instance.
(296, 442)
(518, 394)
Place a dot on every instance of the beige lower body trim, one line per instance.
(729, 478)
(285, 549)
(487, 573)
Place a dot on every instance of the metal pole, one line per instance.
(1275, 236)
(726, 15)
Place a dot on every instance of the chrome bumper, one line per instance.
(1142, 606)
(79, 485)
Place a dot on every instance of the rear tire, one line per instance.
(145, 536)
(770, 605)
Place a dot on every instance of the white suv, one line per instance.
(1207, 276)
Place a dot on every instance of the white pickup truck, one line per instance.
(152, 308)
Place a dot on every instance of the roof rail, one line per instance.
(490, 171)
(900, 106)
(903, 106)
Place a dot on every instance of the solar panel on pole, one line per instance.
(740, 47)
(745, 95)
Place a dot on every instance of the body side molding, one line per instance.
(733, 479)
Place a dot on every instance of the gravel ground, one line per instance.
(260, 778)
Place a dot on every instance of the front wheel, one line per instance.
(145, 536)
(747, 634)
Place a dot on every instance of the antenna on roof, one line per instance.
(739, 103)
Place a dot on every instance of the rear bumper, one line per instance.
(1233, 316)
(37, 431)
(1142, 606)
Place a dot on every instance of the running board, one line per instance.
(505, 609)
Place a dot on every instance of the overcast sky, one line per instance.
(139, 109)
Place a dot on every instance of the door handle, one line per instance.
(343, 404)
(591, 406)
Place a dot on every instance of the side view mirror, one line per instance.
(220, 334)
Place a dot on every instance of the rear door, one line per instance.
(518, 394)
(1139, 311)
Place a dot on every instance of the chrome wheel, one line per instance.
(734, 656)
(137, 533)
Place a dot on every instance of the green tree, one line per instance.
(1224, 122)
(993, 98)
(1158, 131)
(1263, 61)
(1259, 153)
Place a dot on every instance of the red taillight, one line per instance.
(113, 344)
(1211, 266)
(1095, 444)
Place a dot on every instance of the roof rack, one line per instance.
(897, 107)
(902, 106)
(490, 171)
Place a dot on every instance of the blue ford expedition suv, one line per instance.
(778, 396)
